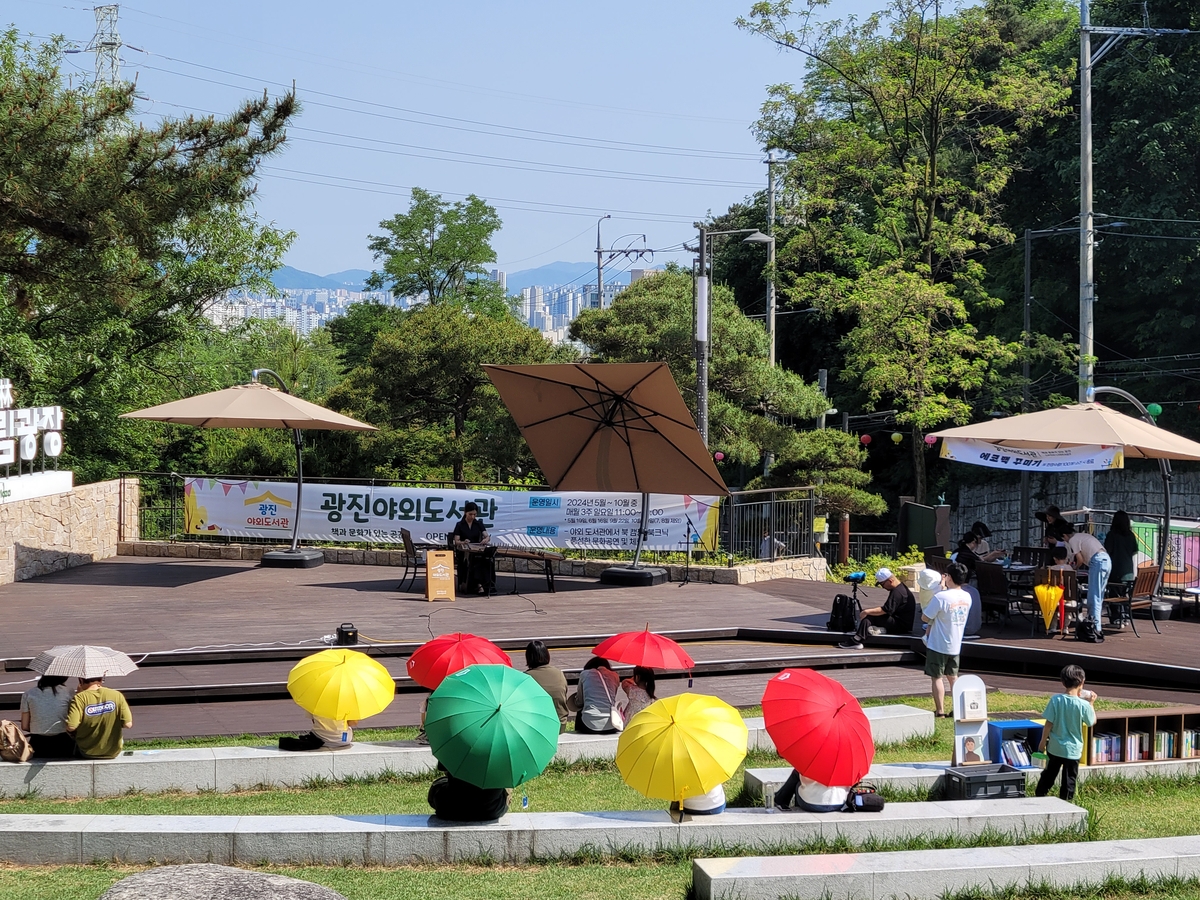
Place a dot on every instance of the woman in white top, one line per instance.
(639, 691)
(1086, 551)
(810, 795)
(44, 718)
(595, 699)
(710, 804)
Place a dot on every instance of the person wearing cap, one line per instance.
(895, 616)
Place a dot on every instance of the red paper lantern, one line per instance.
(865, 439)
(718, 456)
(930, 440)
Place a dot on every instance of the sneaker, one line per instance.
(875, 630)
(850, 644)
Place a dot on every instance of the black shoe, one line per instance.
(851, 644)
(1099, 639)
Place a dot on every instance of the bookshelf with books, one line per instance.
(1143, 735)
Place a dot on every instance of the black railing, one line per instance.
(862, 545)
(768, 524)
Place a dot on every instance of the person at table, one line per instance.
(549, 678)
(967, 553)
(471, 530)
(894, 616)
(1086, 552)
(1049, 518)
(1121, 544)
(982, 532)
(1059, 555)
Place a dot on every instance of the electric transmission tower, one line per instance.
(106, 44)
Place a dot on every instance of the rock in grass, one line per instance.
(209, 882)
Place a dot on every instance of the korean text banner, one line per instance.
(1064, 459)
(340, 512)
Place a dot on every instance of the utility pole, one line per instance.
(600, 264)
(771, 256)
(1028, 324)
(106, 44)
(1087, 242)
(822, 386)
(702, 338)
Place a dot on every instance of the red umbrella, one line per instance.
(644, 648)
(447, 653)
(818, 727)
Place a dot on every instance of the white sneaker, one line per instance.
(850, 644)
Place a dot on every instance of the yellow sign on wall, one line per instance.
(439, 575)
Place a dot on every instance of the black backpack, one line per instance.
(844, 616)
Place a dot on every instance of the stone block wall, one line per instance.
(48, 534)
(998, 503)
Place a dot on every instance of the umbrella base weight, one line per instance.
(628, 576)
(293, 559)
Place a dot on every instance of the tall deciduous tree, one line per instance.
(432, 250)
(904, 133)
(652, 321)
(113, 238)
(424, 385)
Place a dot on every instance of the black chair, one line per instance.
(414, 560)
(937, 563)
(993, 590)
(1032, 556)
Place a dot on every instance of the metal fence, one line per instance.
(766, 524)
(863, 544)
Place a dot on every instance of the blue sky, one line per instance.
(649, 104)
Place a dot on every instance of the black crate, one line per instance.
(986, 782)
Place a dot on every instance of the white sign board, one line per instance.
(1083, 458)
(26, 433)
(343, 512)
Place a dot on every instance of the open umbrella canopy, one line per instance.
(1079, 424)
(341, 684)
(447, 653)
(82, 661)
(252, 405)
(818, 727)
(608, 427)
(644, 648)
(492, 726)
(681, 746)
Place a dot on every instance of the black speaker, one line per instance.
(347, 634)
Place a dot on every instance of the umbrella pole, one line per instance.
(643, 531)
(299, 489)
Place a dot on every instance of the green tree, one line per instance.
(424, 386)
(113, 239)
(652, 322)
(432, 250)
(832, 460)
(353, 334)
(904, 134)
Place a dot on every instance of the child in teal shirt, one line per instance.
(1062, 738)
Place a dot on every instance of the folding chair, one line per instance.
(1141, 596)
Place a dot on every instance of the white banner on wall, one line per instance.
(340, 512)
(1064, 459)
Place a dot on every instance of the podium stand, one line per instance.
(439, 575)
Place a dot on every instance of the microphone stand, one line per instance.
(687, 571)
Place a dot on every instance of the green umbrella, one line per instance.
(492, 726)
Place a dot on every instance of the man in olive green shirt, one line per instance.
(95, 718)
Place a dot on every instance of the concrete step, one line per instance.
(932, 874)
(517, 837)
(231, 768)
(760, 782)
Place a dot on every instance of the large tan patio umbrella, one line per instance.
(257, 405)
(610, 427)
(1109, 436)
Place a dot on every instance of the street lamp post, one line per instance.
(754, 236)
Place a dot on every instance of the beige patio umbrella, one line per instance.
(1085, 425)
(610, 427)
(1080, 424)
(257, 405)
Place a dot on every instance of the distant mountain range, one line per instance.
(299, 280)
(580, 273)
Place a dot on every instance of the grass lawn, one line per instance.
(1153, 807)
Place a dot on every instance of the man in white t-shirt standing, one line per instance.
(947, 616)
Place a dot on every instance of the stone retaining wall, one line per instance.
(805, 568)
(48, 534)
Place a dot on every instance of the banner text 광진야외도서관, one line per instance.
(339, 512)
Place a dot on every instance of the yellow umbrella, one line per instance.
(681, 746)
(341, 684)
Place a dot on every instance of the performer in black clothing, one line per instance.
(895, 616)
(478, 567)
